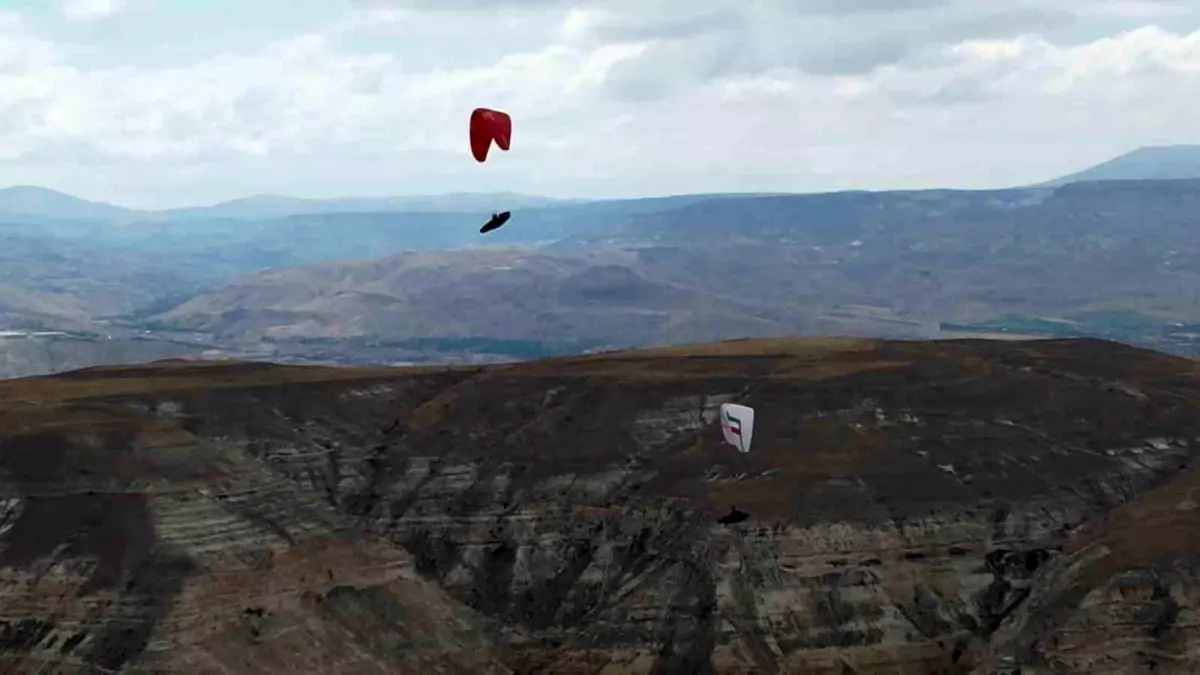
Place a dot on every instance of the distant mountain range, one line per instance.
(888, 263)
(278, 206)
(24, 201)
(27, 201)
(566, 275)
(1169, 162)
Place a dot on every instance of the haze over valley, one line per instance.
(360, 281)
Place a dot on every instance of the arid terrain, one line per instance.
(915, 507)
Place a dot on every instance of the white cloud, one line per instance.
(1141, 9)
(86, 10)
(604, 102)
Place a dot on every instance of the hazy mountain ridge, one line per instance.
(896, 264)
(1166, 162)
(504, 295)
(40, 203)
(37, 202)
(616, 272)
(78, 284)
(279, 206)
(44, 203)
(236, 245)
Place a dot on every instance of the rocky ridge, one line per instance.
(954, 507)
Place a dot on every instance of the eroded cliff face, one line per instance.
(915, 507)
(130, 545)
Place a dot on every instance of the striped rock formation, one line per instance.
(953, 507)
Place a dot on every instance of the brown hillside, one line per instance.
(915, 507)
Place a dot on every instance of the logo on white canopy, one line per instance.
(737, 425)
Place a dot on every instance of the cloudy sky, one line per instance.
(157, 103)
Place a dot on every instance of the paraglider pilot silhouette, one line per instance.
(497, 220)
(735, 515)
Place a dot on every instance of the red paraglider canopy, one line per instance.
(487, 126)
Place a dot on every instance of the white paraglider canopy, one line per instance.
(737, 424)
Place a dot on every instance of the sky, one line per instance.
(165, 103)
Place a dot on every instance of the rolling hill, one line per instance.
(56, 284)
(38, 203)
(502, 295)
(895, 264)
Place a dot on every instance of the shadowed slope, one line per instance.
(128, 542)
